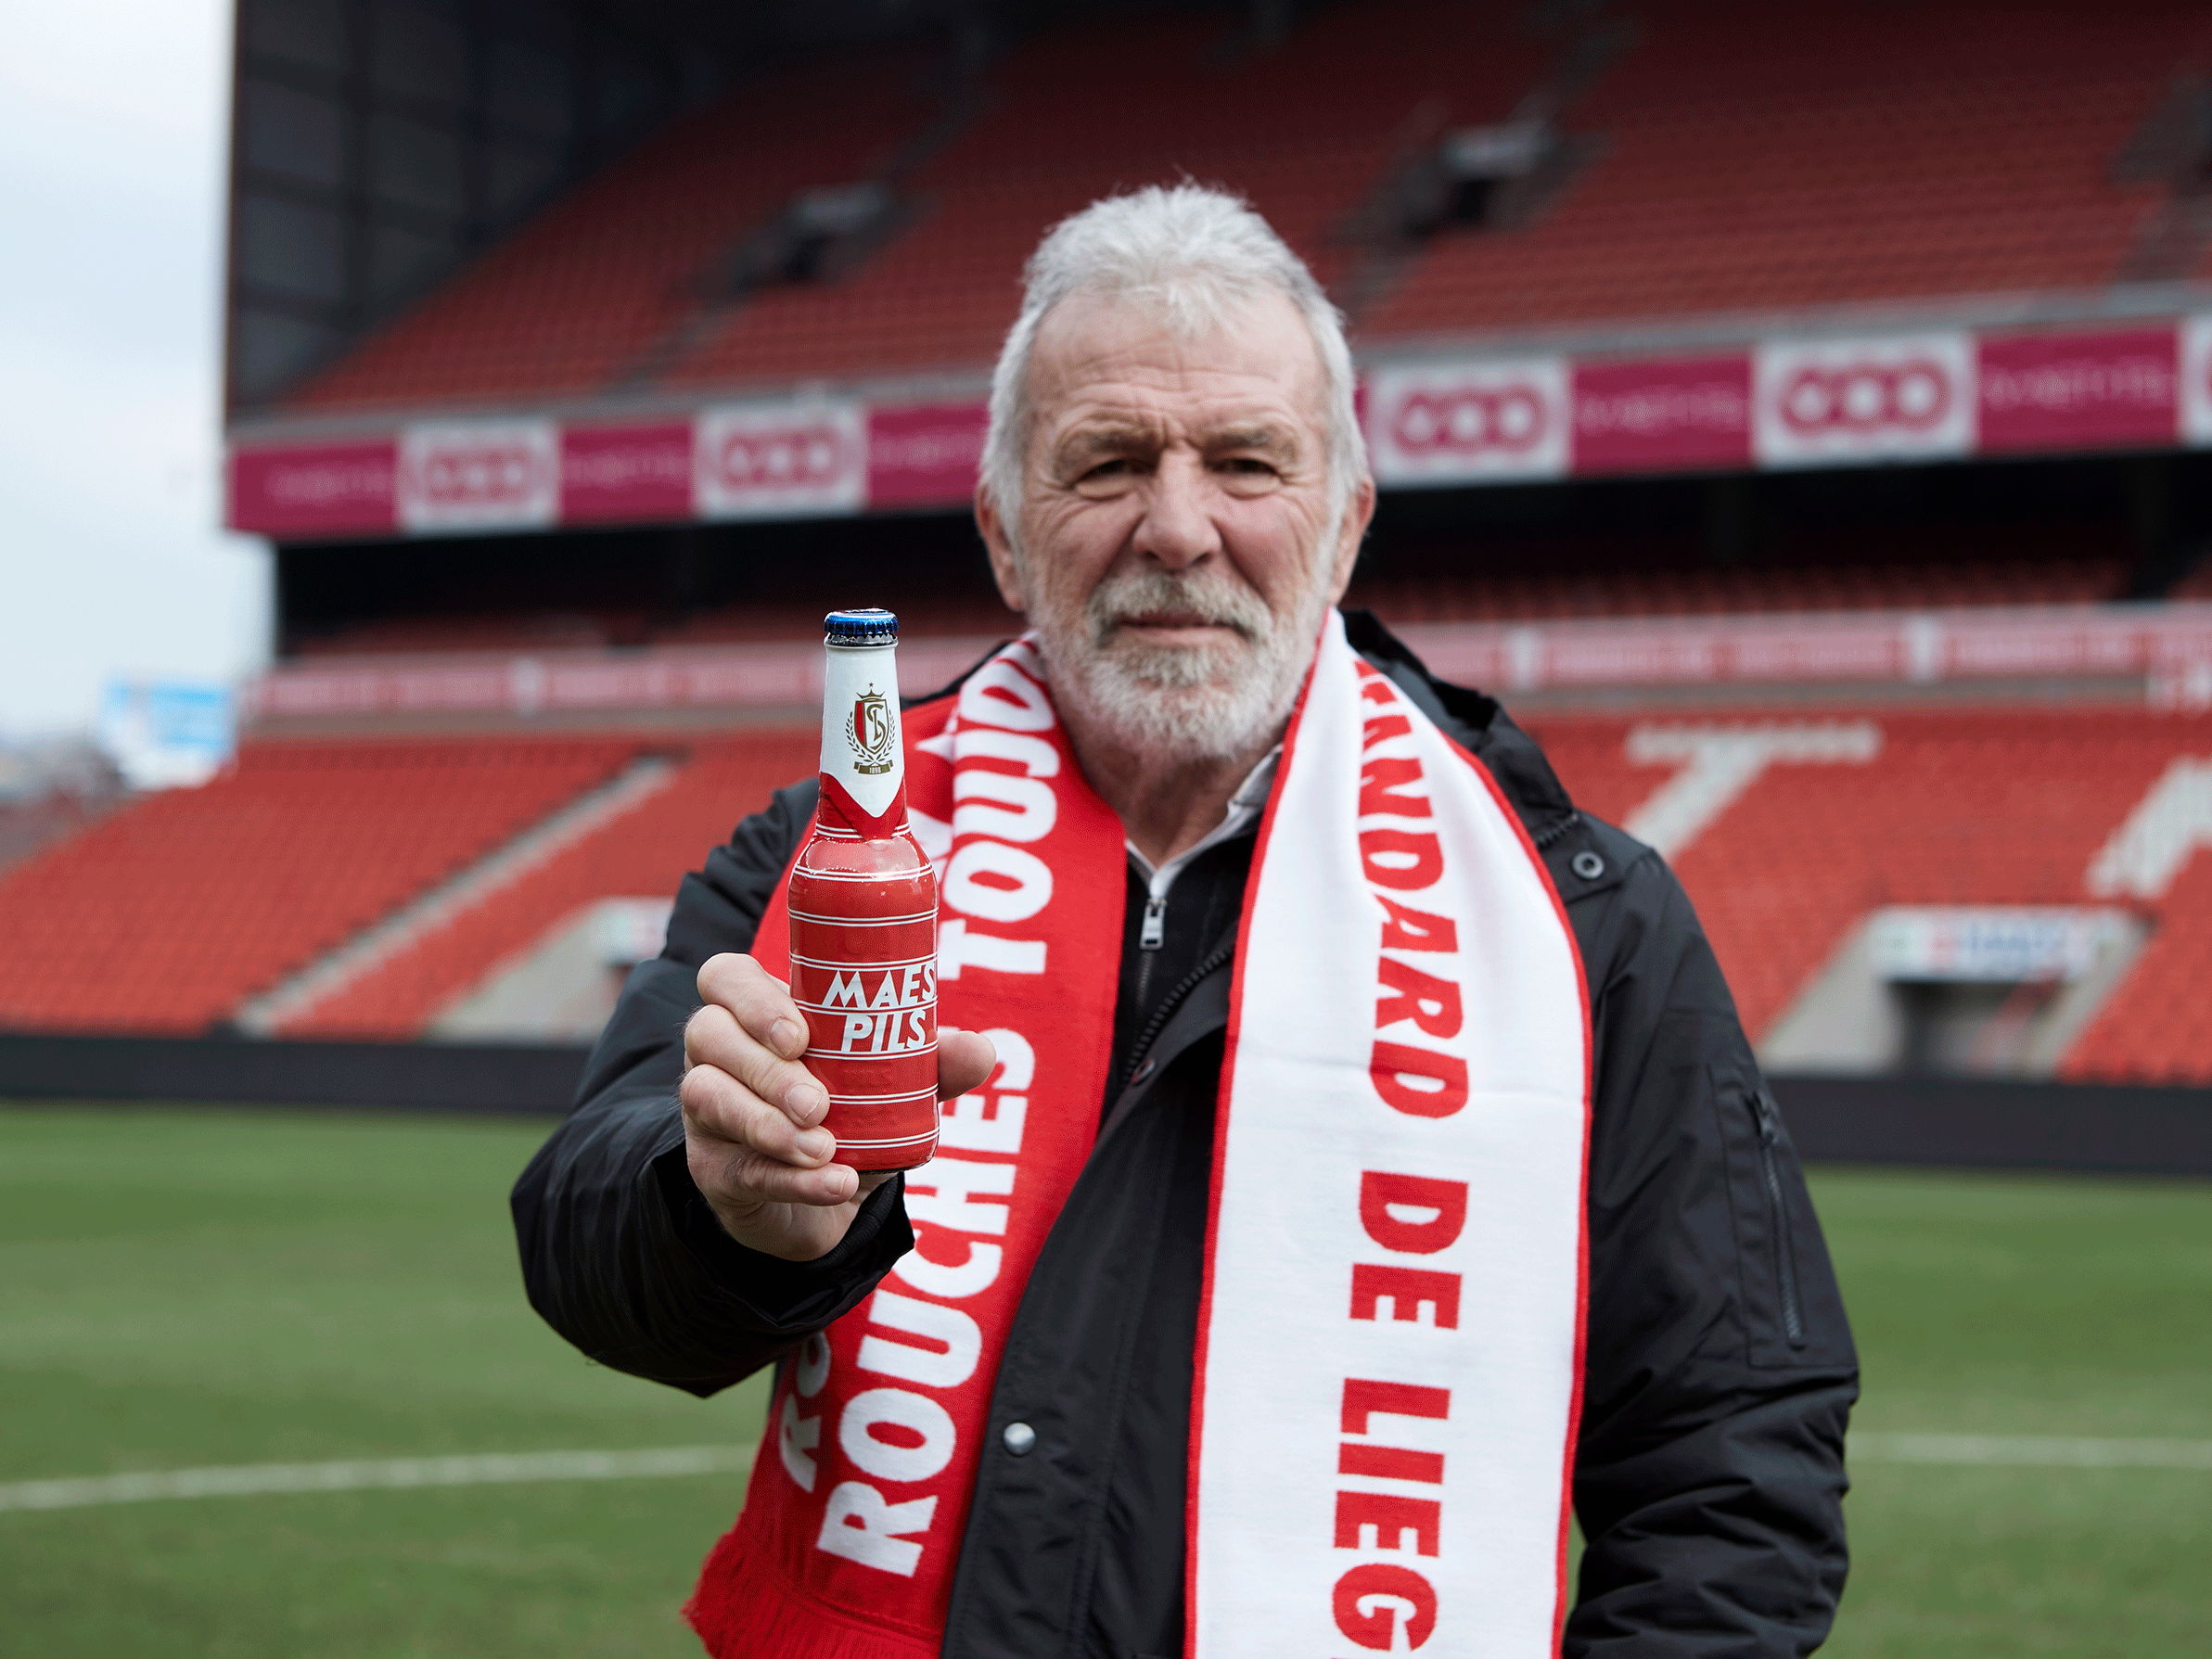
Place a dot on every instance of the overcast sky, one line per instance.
(113, 116)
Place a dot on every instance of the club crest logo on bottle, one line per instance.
(874, 739)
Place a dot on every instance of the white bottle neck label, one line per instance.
(861, 744)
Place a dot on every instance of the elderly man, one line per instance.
(1369, 1167)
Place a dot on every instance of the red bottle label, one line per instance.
(863, 969)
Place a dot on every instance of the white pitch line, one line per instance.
(247, 1480)
(2031, 1451)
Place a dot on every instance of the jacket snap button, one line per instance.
(1587, 864)
(1019, 1437)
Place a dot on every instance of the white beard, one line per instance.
(1181, 704)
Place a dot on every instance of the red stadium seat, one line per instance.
(643, 852)
(171, 912)
(1735, 163)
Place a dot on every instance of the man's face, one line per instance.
(1175, 549)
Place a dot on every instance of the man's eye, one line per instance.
(1251, 465)
(1107, 469)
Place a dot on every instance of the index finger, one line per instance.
(760, 1003)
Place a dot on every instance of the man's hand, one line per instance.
(751, 1114)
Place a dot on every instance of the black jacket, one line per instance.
(1718, 1369)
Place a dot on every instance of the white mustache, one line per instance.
(1121, 600)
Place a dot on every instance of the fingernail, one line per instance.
(816, 1145)
(805, 1102)
(790, 1038)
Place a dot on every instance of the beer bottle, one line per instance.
(863, 900)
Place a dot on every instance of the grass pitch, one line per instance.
(181, 1288)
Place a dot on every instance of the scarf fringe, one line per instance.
(743, 1610)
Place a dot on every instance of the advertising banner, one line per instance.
(1835, 402)
(926, 455)
(1663, 415)
(1469, 422)
(1785, 403)
(1997, 944)
(636, 474)
(313, 489)
(775, 459)
(168, 734)
(2078, 390)
(2196, 378)
(478, 476)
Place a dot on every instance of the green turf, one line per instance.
(187, 1288)
(1993, 1305)
(184, 1288)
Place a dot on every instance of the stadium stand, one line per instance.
(576, 301)
(1451, 587)
(597, 292)
(1724, 165)
(1747, 168)
(1981, 807)
(2196, 584)
(2155, 1028)
(503, 632)
(167, 915)
(1304, 130)
(641, 853)
(1973, 807)
(173, 911)
(1811, 587)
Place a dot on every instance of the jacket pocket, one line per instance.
(1792, 1314)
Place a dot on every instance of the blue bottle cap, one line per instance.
(868, 627)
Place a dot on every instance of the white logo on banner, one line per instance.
(479, 474)
(1472, 420)
(2196, 378)
(754, 460)
(1858, 399)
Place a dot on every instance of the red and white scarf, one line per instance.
(1389, 1345)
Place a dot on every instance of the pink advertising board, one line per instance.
(314, 489)
(636, 474)
(1663, 415)
(2079, 390)
(925, 455)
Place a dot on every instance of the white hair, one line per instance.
(1192, 255)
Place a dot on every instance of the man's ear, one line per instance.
(1359, 513)
(1006, 568)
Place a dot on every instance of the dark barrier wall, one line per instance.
(1873, 1120)
(2010, 1125)
(414, 1076)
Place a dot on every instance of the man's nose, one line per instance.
(1178, 528)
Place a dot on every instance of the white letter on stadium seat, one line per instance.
(962, 1338)
(794, 1437)
(899, 1409)
(956, 1181)
(858, 1526)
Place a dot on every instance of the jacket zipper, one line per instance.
(1785, 1247)
(1151, 935)
(1138, 1063)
